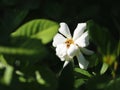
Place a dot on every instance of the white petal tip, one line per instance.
(65, 64)
(84, 66)
(82, 24)
(62, 23)
(53, 44)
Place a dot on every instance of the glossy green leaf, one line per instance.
(37, 29)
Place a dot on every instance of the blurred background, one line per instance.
(27, 57)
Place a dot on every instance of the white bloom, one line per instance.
(67, 46)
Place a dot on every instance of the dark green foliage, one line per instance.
(28, 60)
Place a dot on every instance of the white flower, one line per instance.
(67, 46)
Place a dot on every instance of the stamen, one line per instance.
(69, 42)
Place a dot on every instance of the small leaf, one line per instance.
(104, 68)
(7, 77)
(8, 71)
(2, 60)
(83, 72)
(39, 78)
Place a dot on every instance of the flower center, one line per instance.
(68, 42)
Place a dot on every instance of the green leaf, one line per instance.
(97, 82)
(102, 37)
(2, 61)
(83, 72)
(104, 68)
(66, 79)
(28, 52)
(38, 77)
(8, 71)
(93, 60)
(37, 29)
(17, 51)
(13, 18)
(79, 82)
(7, 77)
(113, 84)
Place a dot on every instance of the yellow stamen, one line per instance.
(69, 42)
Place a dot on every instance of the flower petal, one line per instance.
(79, 30)
(83, 63)
(73, 50)
(65, 30)
(86, 51)
(65, 64)
(83, 41)
(58, 39)
(61, 51)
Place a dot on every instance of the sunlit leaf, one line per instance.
(22, 79)
(39, 79)
(104, 68)
(38, 29)
(2, 60)
(19, 51)
(7, 77)
(29, 52)
(8, 71)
